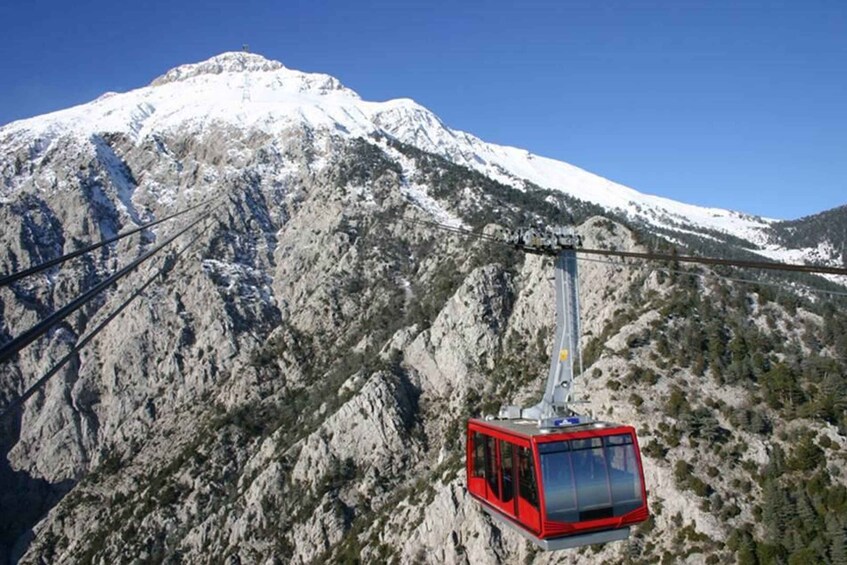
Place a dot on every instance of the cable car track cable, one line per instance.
(456, 230)
(9, 279)
(772, 266)
(164, 269)
(716, 276)
(765, 265)
(10, 349)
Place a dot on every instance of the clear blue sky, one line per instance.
(739, 104)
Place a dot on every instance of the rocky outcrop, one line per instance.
(295, 387)
(233, 62)
(465, 334)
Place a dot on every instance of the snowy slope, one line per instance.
(246, 90)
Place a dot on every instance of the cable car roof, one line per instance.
(530, 428)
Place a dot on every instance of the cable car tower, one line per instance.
(559, 479)
(565, 358)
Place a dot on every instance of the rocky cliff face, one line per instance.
(295, 388)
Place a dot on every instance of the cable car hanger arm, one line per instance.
(563, 243)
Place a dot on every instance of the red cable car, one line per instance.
(560, 479)
(564, 487)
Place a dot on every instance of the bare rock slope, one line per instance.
(294, 388)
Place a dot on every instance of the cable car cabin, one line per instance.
(560, 487)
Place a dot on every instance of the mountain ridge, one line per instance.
(295, 389)
(248, 90)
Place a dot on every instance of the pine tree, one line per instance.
(838, 547)
(747, 551)
(776, 466)
(774, 512)
(836, 538)
(806, 513)
(806, 456)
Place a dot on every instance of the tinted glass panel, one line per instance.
(588, 479)
(553, 447)
(490, 466)
(588, 443)
(526, 476)
(506, 455)
(558, 482)
(619, 440)
(478, 455)
(592, 483)
(624, 474)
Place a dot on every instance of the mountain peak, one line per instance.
(229, 62)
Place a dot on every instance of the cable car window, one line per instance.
(506, 455)
(619, 439)
(490, 466)
(553, 447)
(592, 479)
(588, 443)
(528, 489)
(558, 482)
(624, 475)
(478, 455)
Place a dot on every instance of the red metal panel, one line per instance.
(499, 433)
(477, 486)
(511, 508)
(524, 514)
(644, 510)
(529, 515)
(542, 503)
(554, 529)
(469, 455)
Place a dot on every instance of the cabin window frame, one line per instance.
(491, 474)
(506, 495)
(527, 489)
(478, 452)
(597, 498)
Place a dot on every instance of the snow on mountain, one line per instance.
(415, 125)
(265, 95)
(293, 390)
(246, 90)
(233, 62)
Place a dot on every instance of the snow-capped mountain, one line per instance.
(247, 91)
(294, 388)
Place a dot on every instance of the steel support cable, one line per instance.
(166, 267)
(811, 269)
(9, 279)
(773, 266)
(9, 350)
(455, 230)
(781, 286)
